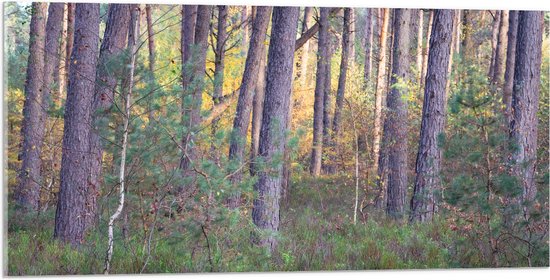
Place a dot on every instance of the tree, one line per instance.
(107, 76)
(32, 128)
(494, 41)
(395, 123)
(257, 111)
(510, 61)
(54, 28)
(368, 43)
(69, 44)
(76, 206)
(419, 39)
(428, 160)
(525, 102)
(318, 107)
(189, 20)
(500, 52)
(194, 89)
(152, 50)
(308, 17)
(426, 51)
(380, 88)
(265, 213)
(256, 52)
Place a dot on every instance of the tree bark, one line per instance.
(420, 38)
(248, 90)
(428, 160)
(69, 45)
(76, 206)
(318, 107)
(257, 111)
(346, 49)
(54, 28)
(219, 55)
(265, 213)
(189, 20)
(500, 56)
(395, 123)
(426, 51)
(525, 102)
(32, 129)
(195, 89)
(380, 88)
(494, 42)
(368, 44)
(510, 62)
(312, 31)
(308, 17)
(352, 36)
(112, 48)
(326, 164)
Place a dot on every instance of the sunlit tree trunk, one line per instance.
(428, 160)
(510, 62)
(500, 55)
(494, 42)
(306, 23)
(368, 44)
(32, 129)
(426, 51)
(76, 206)
(265, 213)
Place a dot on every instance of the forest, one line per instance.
(152, 138)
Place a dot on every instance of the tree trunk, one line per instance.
(32, 129)
(428, 160)
(494, 41)
(468, 48)
(312, 31)
(352, 36)
(368, 44)
(195, 89)
(326, 164)
(318, 107)
(426, 51)
(256, 53)
(69, 46)
(510, 62)
(420, 38)
(336, 122)
(54, 28)
(308, 17)
(112, 47)
(525, 102)
(76, 206)
(380, 88)
(219, 55)
(152, 52)
(189, 20)
(500, 56)
(265, 213)
(245, 21)
(395, 123)
(257, 111)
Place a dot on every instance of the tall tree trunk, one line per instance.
(395, 123)
(306, 23)
(380, 89)
(318, 107)
(245, 21)
(189, 20)
(346, 49)
(426, 51)
(257, 111)
(112, 47)
(76, 206)
(256, 52)
(132, 42)
(326, 164)
(192, 118)
(265, 213)
(502, 42)
(468, 47)
(368, 44)
(428, 160)
(420, 38)
(525, 102)
(510, 62)
(152, 52)
(69, 46)
(54, 29)
(352, 36)
(494, 42)
(32, 129)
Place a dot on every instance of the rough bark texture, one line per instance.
(257, 111)
(426, 51)
(107, 79)
(352, 36)
(336, 122)
(265, 213)
(326, 164)
(368, 44)
(76, 206)
(420, 38)
(70, 39)
(428, 160)
(189, 20)
(395, 123)
(500, 56)
(468, 47)
(494, 42)
(380, 88)
(318, 107)
(256, 52)
(195, 88)
(32, 129)
(510, 61)
(306, 23)
(525, 101)
(219, 57)
(245, 20)
(54, 28)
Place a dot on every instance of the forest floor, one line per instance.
(316, 233)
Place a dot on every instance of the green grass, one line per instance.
(317, 233)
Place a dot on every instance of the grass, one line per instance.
(317, 233)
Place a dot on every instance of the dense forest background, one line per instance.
(168, 138)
